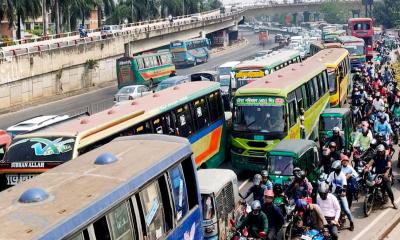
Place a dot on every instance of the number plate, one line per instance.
(14, 179)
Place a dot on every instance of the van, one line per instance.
(219, 196)
(34, 123)
(196, 17)
(171, 82)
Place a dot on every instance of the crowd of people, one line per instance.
(325, 204)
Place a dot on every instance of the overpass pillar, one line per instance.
(294, 18)
(306, 16)
(221, 38)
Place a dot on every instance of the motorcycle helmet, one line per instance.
(256, 207)
(380, 137)
(323, 190)
(301, 205)
(278, 190)
(257, 179)
(336, 165)
(296, 169)
(380, 149)
(264, 173)
(332, 145)
(369, 98)
(373, 143)
(300, 175)
(336, 130)
(269, 193)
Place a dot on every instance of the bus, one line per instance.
(362, 28)
(226, 76)
(190, 52)
(193, 110)
(268, 110)
(136, 188)
(356, 48)
(252, 70)
(318, 46)
(146, 69)
(331, 37)
(337, 62)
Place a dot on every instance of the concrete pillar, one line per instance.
(294, 18)
(306, 16)
(316, 16)
(221, 38)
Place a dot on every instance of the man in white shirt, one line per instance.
(338, 181)
(351, 177)
(330, 207)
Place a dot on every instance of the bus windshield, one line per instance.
(328, 123)
(224, 71)
(332, 81)
(45, 149)
(281, 165)
(259, 114)
(362, 26)
(355, 50)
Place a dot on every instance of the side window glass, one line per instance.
(201, 113)
(305, 96)
(299, 97)
(179, 192)
(151, 203)
(292, 113)
(158, 126)
(311, 94)
(168, 123)
(189, 172)
(101, 229)
(83, 235)
(315, 85)
(214, 106)
(143, 128)
(120, 222)
(184, 121)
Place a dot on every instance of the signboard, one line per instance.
(259, 101)
(249, 74)
(125, 72)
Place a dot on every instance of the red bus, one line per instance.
(362, 28)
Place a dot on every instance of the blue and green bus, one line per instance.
(136, 187)
(190, 52)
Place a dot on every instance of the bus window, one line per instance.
(143, 128)
(292, 113)
(341, 73)
(140, 63)
(184, 121)
(189, 173)
(158, 126)
(299, 97)
(153, 211)
(215, 106)
(179, 193)
(325, 77)
(84, 235)
(316, 90)
(311, 93)
(201, 113)
(305, 96)
(101, 229)
(147, 63)
(166, 198)
(320, 81)
(168, 122)
(120, 222)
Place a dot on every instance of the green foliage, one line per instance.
(387, 13)
(334, 12)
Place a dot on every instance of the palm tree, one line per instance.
(25, 9)
(107, 5)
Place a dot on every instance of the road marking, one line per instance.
(244, 183)
(367, 228)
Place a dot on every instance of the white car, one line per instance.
(109, 30)
(196, 17)
(131, 92)
(34, 123)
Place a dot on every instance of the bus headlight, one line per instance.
(237, 150)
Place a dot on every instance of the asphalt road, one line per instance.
(100, 99)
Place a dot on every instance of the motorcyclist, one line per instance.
(312, 216)
(338, 181)
(395, 109)
(336, 138)
(82, 31)
(363, 139)
(368, 108)
(256, 221)
(382, 164)
(257, 189)
(351, 176)
(330, 207)
(335, 153)
(356, 97)
(388, 77)
(273, 213)
(265, 180)
(382, 126)
(326, 160)
(378, 102)
(300, 187)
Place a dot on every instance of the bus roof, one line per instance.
(229, 64)
(298, 146)
(163, 52)
(207, 179)
(273, 59)
(281, 82)
(140, 109)
(360, 19)
(349, 39)
(331, 57)
(341, 111)
(79, 190)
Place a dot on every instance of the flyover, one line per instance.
(63, 64)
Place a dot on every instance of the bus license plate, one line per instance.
(14, 179)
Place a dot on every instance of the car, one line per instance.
(172, 81)
(196, 17)
(109, 30)
(34, 124)
(131, 92)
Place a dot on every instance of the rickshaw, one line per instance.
(287, 155)
(5, 141)
(336, 117)
(219, 196)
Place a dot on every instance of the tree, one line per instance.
(25, 9)
(107, 5)
(387, 13)
(6, 10)
(334, 12)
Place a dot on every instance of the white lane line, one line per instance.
(244, 183)
(375, 221)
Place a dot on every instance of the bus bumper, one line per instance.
(249, 163)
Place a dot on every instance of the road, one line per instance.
(103, 98)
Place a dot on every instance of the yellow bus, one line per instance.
(337, 61)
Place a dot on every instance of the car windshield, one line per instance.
(163, 86)
(259, 114)
(224, 71)
(225, 82)
(328, 123)
(355, 50)
(332, 81)
(207, 201)
(46, 149)
(281, 165)
(127, 90)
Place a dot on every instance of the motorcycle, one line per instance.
(244, 235)
(82, 33)
(357, 115)
(375, 195)
(313, 234)
(287, 228)
(396, 129)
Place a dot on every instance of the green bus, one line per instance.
(145, 69)
(330, 37)
(251, 70)
(269, 110)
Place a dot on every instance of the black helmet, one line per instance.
(278, 189)
(300, 175)
(380, 136)
(332, 144)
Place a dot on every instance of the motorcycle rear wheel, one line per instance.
(368, 204)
